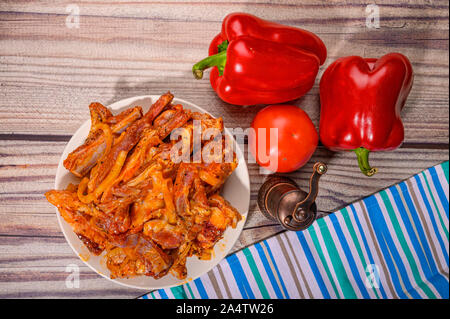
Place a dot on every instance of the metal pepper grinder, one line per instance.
(281, 200)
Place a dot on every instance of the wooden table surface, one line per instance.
(50, 73)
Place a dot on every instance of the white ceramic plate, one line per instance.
(236, 190)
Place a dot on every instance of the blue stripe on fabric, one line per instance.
(366, 245)
(428, 264)
(417, 223)
(439, 280)
(431, 215)
(440, 191)
(278, 271)
(239, 275)
(313, 265)
(409, 229)
(145, 297)
(201, 288)
(348, 254)
(269, 272)
(383, 238)
(163, 294)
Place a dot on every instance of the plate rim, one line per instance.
(113, 107)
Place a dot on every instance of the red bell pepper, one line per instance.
(361, 100)
(260, 62)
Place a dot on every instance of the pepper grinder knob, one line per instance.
(280, 199)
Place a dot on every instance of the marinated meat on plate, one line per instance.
(146, 212)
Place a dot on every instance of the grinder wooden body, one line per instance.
(281, 200)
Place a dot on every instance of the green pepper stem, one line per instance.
(218, 60)
(363, 161)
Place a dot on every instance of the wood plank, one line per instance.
(36, 267)
(425, 116)
(143, 57)
(214, 10)
(27, 170)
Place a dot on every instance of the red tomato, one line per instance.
(297, 138)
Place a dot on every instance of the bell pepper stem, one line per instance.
(363, 161)
(218, 60)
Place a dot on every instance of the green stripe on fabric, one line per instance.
(336, 261)
(445, 169)
(190, 290)
(178, 292)
(319, 250)
(251, 262)
(153, 295)
(435, 205)
(355, 240)
(406, 249)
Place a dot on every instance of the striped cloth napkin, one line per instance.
(393, 244)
